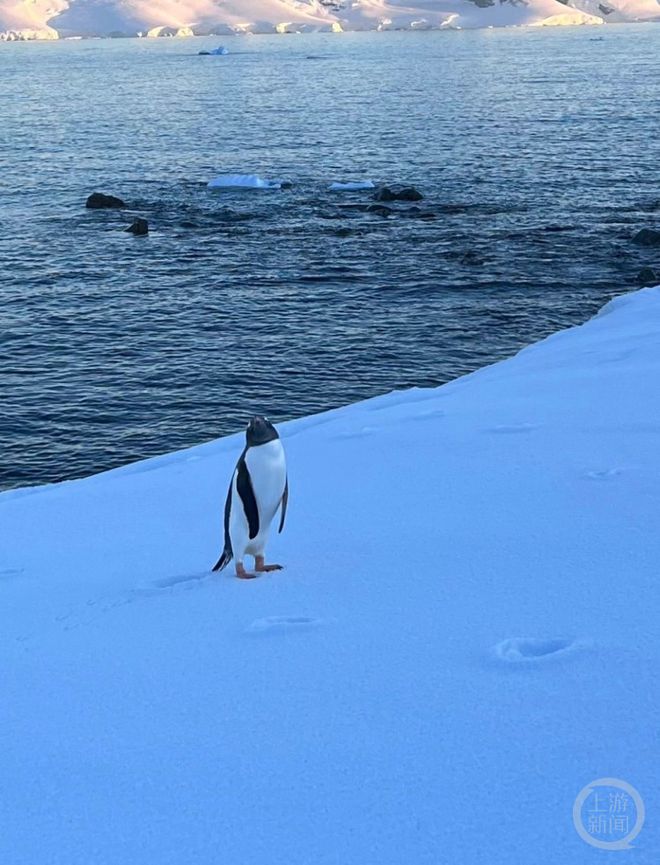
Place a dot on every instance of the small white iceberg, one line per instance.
(243, 181)
(352, 187)
(219, 51)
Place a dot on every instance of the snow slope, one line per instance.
(185, 17)
(28, 19)
(432, 14)
(620, 11)
(52, 18)
(465, 635)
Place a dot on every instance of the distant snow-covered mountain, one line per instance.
(53, 19)
(621, 11)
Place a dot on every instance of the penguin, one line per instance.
(258, 487)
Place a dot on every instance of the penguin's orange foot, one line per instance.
(242, 574)
(261, 567)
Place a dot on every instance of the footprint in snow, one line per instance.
(176, 581)
(532, 650)
(356, 433)
(603, 474)
(10, 573)
(431, 413)
(282, 624)
(407, 396)
(508, 428)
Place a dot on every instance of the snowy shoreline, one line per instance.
(31, 20)
(465, 634)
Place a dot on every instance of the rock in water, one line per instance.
(98, 200)
(380, 210)
(409, 193)
(648, 276)
(398, 193)
(139, 228)
(647, 237)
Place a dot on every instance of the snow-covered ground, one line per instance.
(51, 19)
(465, 635)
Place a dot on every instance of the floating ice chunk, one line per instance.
(220, 50)
(352, 187)
(243, 181)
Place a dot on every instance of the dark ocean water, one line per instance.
(536, 150)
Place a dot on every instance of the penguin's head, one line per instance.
(260, 431)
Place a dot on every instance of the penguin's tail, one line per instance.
(223, 561)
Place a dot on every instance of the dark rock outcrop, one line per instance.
(380, 210)
(98, 200)
(398, 193)
(139, 228)
(647, 237)
(648, 276)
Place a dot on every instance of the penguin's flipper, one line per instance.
(285, 502)
(227, 553)
(246, 493)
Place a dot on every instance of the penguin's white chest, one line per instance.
(266, 465)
